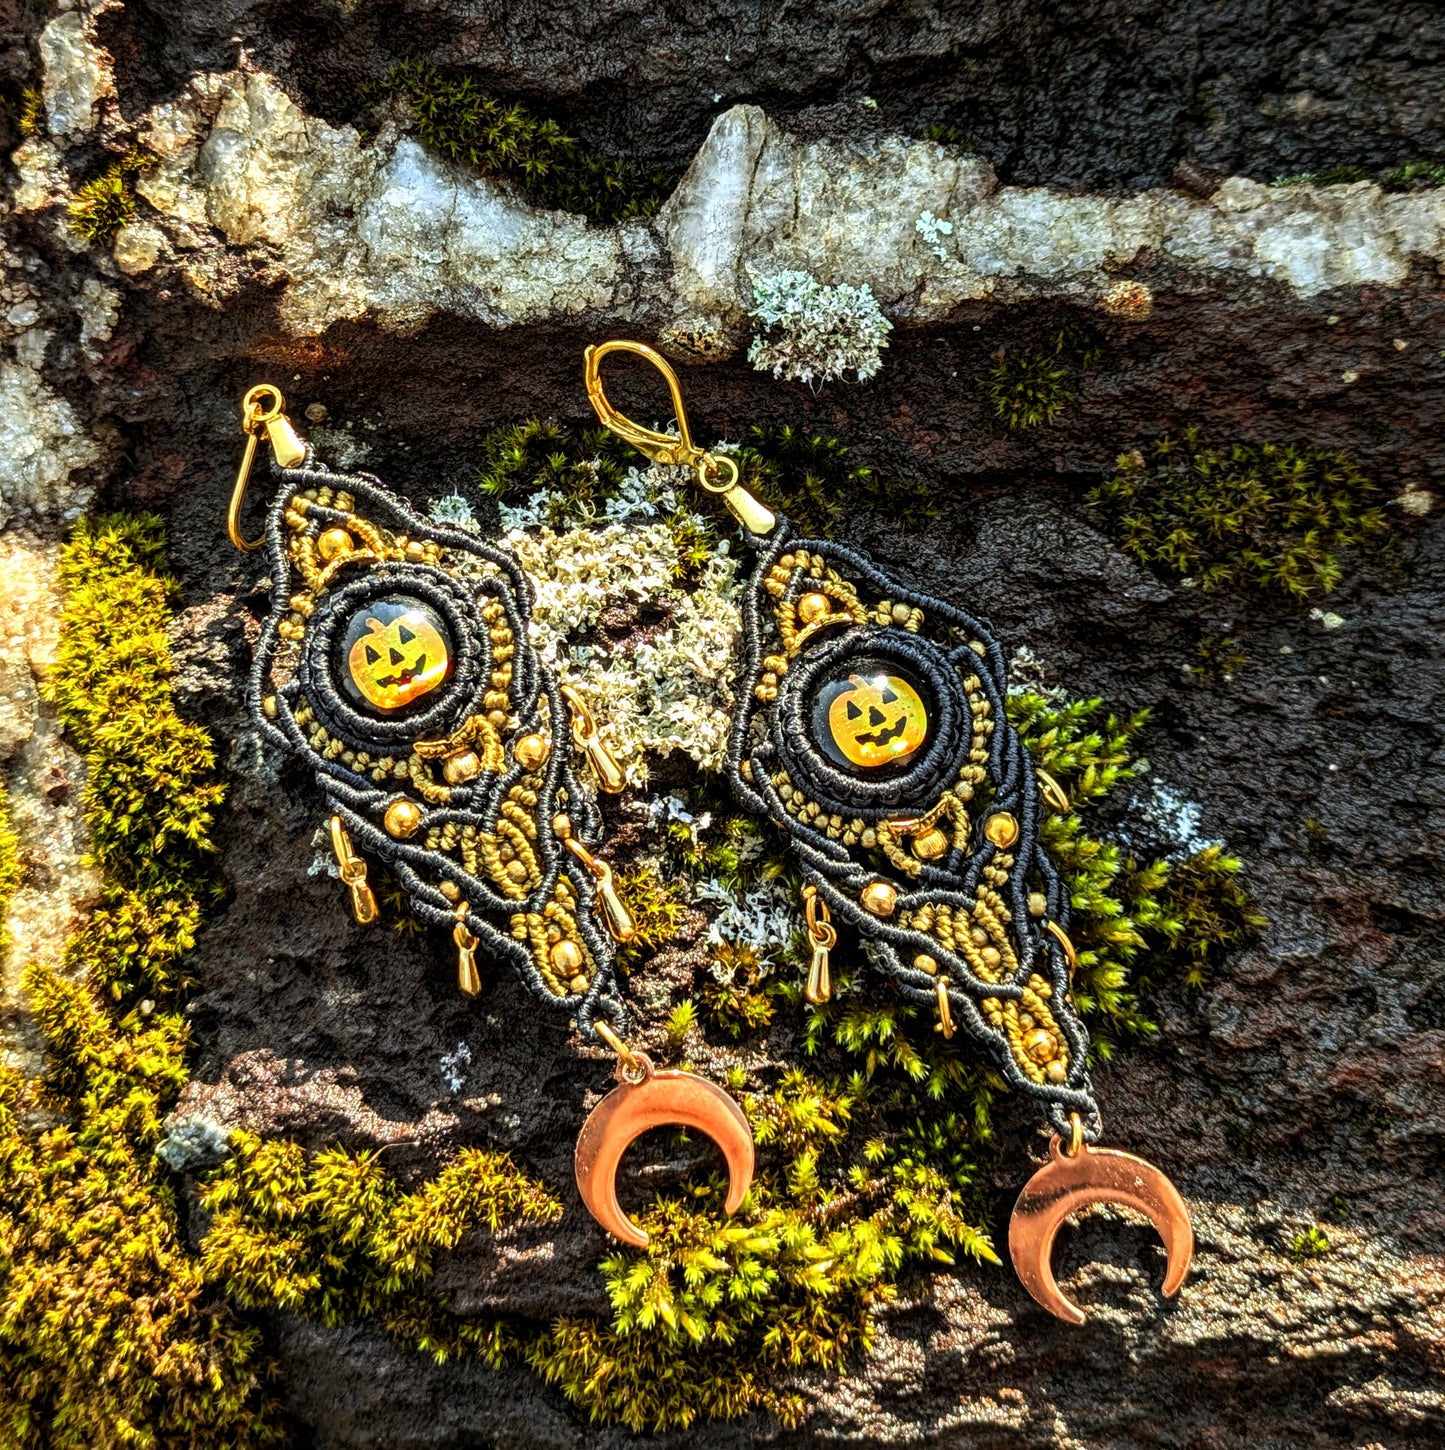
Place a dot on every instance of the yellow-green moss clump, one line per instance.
(107, 1335)
(1276, 516)
(1030, 386)
(332, 1236)
(464, 122)
(101, 207)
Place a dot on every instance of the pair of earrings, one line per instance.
(871, 731)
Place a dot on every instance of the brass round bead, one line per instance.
(879, 897)
(403, 818)
(1056, 1073)
(333, 543)
(901, 614)
(566, 957)
(1002, 830)
(531, 752)
(930, 845)
(1038, 904)
(579, 984)
(812, 606)
(991, 956)
(1041, 1045)
(465, 765)
(497, 718)
(926, 963)
(562, 826)
(516, 871)
(450, 890)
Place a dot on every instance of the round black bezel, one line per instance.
(434, 715)
(873, 792)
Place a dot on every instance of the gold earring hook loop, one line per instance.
(263, 410)
(716, 473)
(660, 447)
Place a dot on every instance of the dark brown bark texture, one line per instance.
(1306, 1077)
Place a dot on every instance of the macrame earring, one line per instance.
(397, 663)
(871, 729)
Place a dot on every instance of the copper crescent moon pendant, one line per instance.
(658, 1099)
(1093, 1175)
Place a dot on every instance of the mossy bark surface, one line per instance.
(1296, 1091)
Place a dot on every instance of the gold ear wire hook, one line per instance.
(716, 473)
(262, 409)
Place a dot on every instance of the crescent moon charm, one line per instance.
(655, 1100)
(1092, 1175)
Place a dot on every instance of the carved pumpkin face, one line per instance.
(876, 719)
(396, 651)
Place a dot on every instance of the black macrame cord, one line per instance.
(771, 738)
(476, 572)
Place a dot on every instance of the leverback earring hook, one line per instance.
(262, 411)
(716, 473)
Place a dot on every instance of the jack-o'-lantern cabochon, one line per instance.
(394, 651)
(870, 718)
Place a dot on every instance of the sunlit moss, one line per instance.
(100, 208)
(108, 1336)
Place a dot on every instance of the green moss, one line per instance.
(583, 469)
(100, 208)
(12, 869)
(32, 111)
(331, 1235)
(1406, 176)
(710, 1318)
(464, 122)
(1217, 657)
(1414, 176)
(1027, 388)
(107, 1334)
(656, 912)
(1310, 1243)
(1275, 516)
(1341, 175)
(151, 791)
(816, 483)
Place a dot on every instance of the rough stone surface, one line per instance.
(1105, 95)
(421, 305)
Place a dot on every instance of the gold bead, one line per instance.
(516, 871)
(269, 706)
(930, 845)
(1038, 903)
(450, 890)
(333, 543)
(562, 826)
(812, 606)
(579, 984)
(465, 765)
(926, 963)
(566, 957)
(1002, 830)
(901, 613)
(991, 957)
(879, 897)
(1056, 1073)
(531, 752)
(1041, 1045)
(497, 718)
(402, 819)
